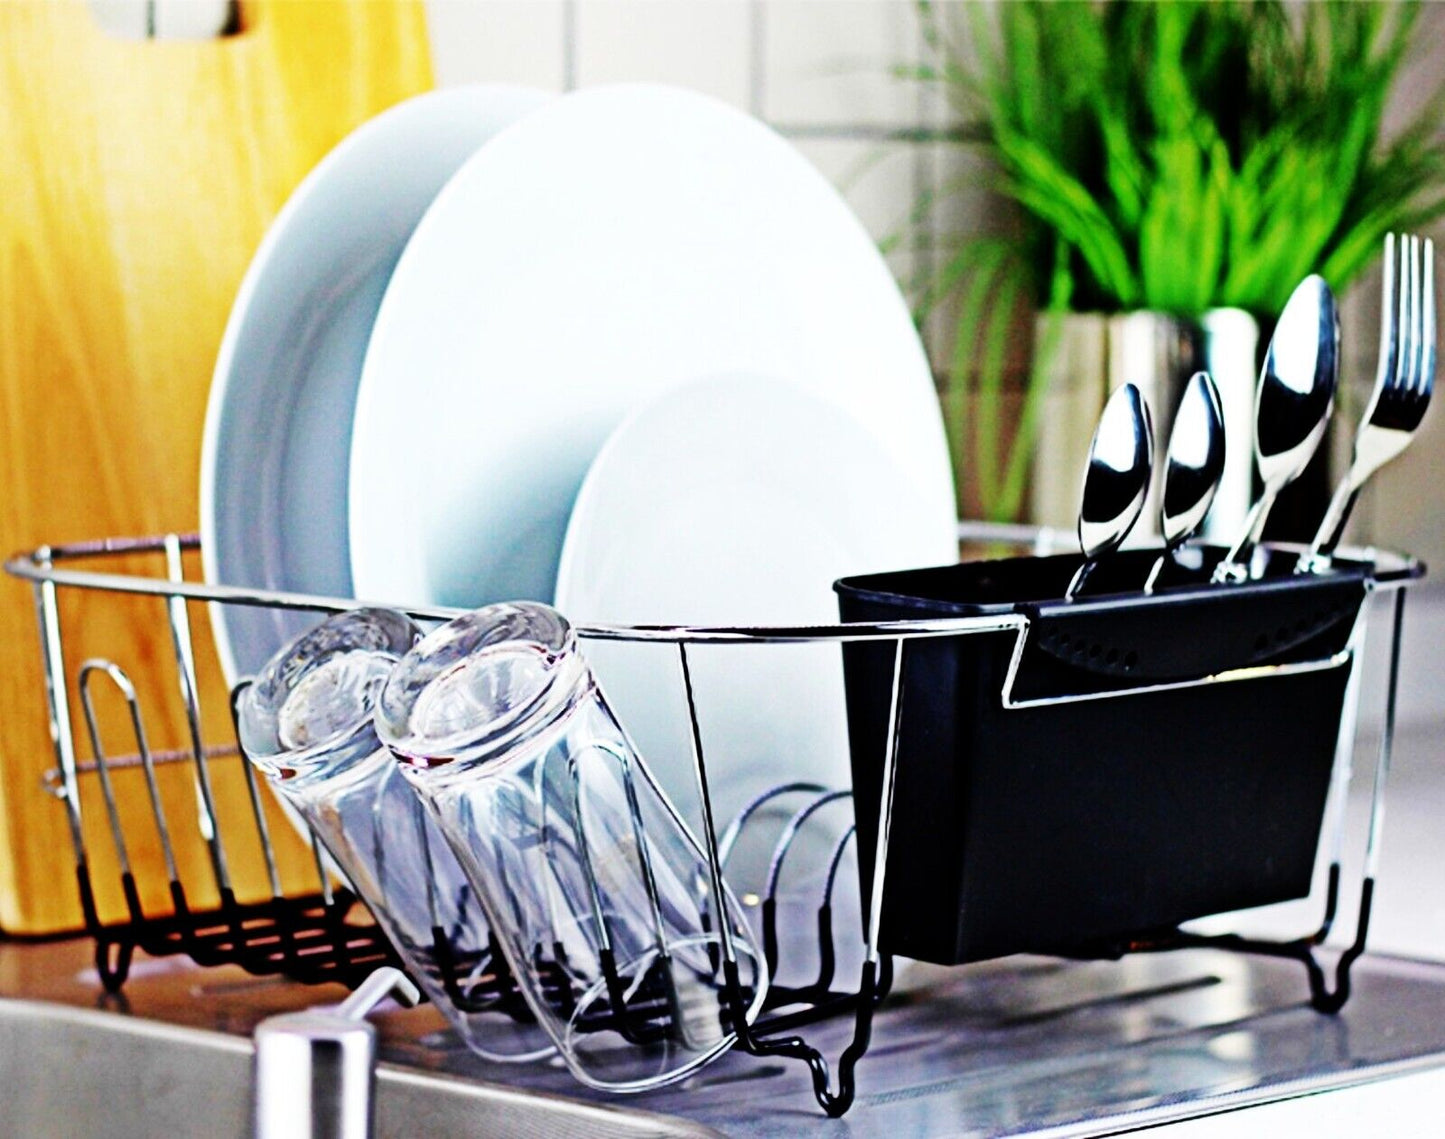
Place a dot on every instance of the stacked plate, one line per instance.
(625, 350)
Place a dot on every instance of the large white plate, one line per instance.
(738, 501)
(610, 246)
(278, 425)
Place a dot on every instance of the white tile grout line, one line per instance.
(757, 58)
(569, 45)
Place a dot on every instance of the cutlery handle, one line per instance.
(1332, 527)
(1157, 569)
(1235, 566)
(1080, 576)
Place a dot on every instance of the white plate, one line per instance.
(738, 501)
(278, 425)
(612, 245)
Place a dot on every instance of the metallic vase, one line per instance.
(1092, 354)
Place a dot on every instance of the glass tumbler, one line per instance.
(306, 721)
(598, 893)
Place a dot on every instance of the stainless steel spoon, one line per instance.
(1192, 467)
(1116, 481)
(1291, 406)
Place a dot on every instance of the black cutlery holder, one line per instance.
(1103, 790)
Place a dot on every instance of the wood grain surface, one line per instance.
(138, 178)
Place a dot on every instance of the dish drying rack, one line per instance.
(325, 935)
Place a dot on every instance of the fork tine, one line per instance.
(1417, 321)
(1411, 340)
(1426, 382)
(1389, 316)
(1417, 374)
(1400, 367)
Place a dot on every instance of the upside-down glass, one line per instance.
(306, 721)
(599, 895)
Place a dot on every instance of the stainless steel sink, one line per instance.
(82, 1072)
(1005, 1048)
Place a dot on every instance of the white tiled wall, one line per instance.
(705, 45)
(830, 63)
(501, 41)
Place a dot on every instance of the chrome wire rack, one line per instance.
(324, 934)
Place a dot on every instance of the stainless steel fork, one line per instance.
(1404, 379)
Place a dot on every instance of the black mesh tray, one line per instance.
(1085, 793)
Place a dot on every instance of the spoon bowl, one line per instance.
(1193, 466)
(1116, 481)
(1292, 406)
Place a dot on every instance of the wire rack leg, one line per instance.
(57, 702)
(181, 645)
(1322, 997)
(834, 1098)
(1343, 774)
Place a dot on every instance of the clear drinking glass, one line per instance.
(306, 721)
(599, 895)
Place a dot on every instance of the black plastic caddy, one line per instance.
(1122, 763)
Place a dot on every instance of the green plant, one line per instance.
(1170, 156)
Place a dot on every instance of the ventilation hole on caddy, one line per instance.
(1113, 657)
(1131, 658)
(1095, 650)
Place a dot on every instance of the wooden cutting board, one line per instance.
(138, 180)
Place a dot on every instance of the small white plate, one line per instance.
(278, 426)
(738, 500)
(608, 247)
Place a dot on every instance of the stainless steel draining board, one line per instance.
(1044, 1047)
(1017, 1047)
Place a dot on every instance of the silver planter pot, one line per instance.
(1092, 354)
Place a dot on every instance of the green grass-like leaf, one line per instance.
(1193, 154)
